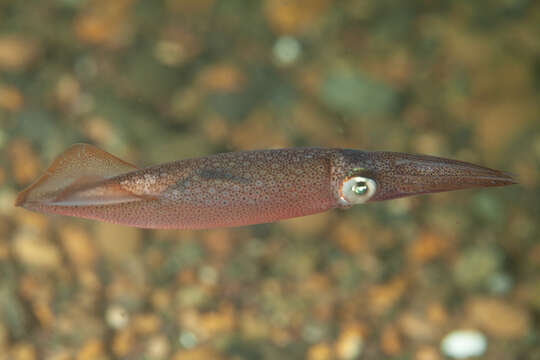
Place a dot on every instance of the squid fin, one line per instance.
(74, 178)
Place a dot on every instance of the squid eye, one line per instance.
(357, 190)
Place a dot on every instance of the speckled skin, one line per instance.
(242, 188)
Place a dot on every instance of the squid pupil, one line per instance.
(360, 188)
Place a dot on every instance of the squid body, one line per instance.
(240, 188)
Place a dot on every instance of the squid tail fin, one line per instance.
(76, 177)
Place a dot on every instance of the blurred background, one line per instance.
(155, 81)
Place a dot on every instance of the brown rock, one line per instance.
(350, 238)
(190, 6)
(44, 313)
(68, 90)
(104, 23)
(427, 247)
(161, 299)
(23, 351)
(253, 326)
(117, 242)
(220, 322)
(91, 350)
(216, 128)
(33, 250)
(177, 46)
(294, 16)
(100, 130)
(146, 323)
(223, 78)
(416, 327)
(494, 132)
(383, 297)
(197, 354)
(24, 161)
(11, 98)
(219, 242)
(78, 245)
(4, 336)
(437, 314)
(17, 52)
(307, 225)
(321, 351)
(123, 342)
(158, 347)
(427, 353)
(391, 343)
(350, 342)
(258, 131)
(499, 318)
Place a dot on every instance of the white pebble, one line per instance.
(116, 316)
(287, 50)
(188, 339)
(462, 344)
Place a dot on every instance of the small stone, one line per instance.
(287, 50)
(79, 247)
(188, 339)
(416, 327)
(427, 353)
(258, 131)
(222, 77)
(107, 25)
(24, 161)
(253, 326)
(68, 90)
(350, 343)
(117, 242)
(177, 46)
(462, 344)
(123, 342)
(307, 225)
(196, 354)
(428, 247)
(61, 354)
(208, 275)
(23, 351)
(476, 265)
(36, 251)
(11, 98)
(161, 299)
(158, 347)
(350, 238)
(7, 198)
(356, 94)
(17, 52)
(91, 350)
(219, 242)
(184, 7)
(500, 283)
(437, 314)
(384, 296)
(295, 16)
(146, 323)
(100, 130)
(44, 314)
(191, 296)
(117, 317)
(391, 343)
(219, 322)
(4, 337)
(322, 351)
(499, 318)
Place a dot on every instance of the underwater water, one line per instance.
(451, 275)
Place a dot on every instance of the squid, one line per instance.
(240, 188)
